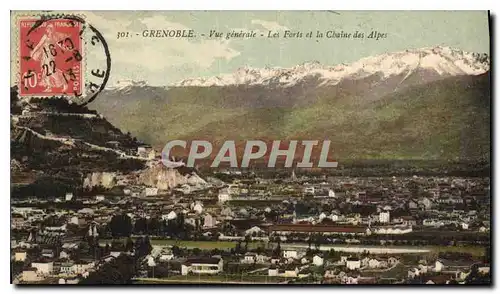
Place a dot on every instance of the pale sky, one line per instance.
(161, 61)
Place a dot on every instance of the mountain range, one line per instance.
(430, 104)
(443, 61)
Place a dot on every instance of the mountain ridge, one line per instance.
(445, 61)
(346, 111)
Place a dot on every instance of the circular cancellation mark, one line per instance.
(53, 58)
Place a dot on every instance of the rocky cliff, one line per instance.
(165, 178)
(58, 147)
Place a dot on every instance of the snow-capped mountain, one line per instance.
(443, 61)
(124, 85)
(394, 103)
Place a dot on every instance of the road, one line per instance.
(194, 281)
(359, 248)
(71, 142)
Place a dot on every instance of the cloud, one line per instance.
(269, 25)
(142, 54)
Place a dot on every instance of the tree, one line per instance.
(216, 251)
(120, 225)
(277, 250)
(332, 254)
(117, 245)
(247, 239)
(154, 226)
(161, 270)
(197, 226)
(143, 247)
(129, 245)
(317, 241)
(118, 271)
(107, 249)
(176, 251)
(487, 255)
(477, 278)
(309, 252)
(237, 249)
(138, 245)
(140, 226)
(17, 268)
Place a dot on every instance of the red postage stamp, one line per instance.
(51, 57)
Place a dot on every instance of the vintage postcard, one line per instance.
(250, 147)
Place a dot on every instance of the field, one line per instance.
(226, 245)
(230, 279)
(398, 272)
(473, 250)
(223, 245)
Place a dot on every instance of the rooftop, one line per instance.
(318, 228)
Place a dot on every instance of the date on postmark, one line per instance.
(51, 55)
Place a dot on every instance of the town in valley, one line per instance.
(251, 148)
(253, 226)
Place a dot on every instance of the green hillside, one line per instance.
(447, 119)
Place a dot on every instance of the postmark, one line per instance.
(53, 58)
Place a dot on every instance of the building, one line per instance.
(43, 267)
(69, 196)
(273, 271)
(67, 268)
(290, 254)
(209, 265)
(290, 271)
(30, 275)
(198, 208)
(49, 253)
(254, 230)
(150, 191)
(433, 223)
(250, 257)
(353, 263)
(412, 204)
(309, 190)
(285, 229)
(317, 260)
(208, 221)
(146, 151)
(224, 195)
(17, 220)
(439, 266)
(170, 216)
(261, 258)
(374, 263)
(64, 255)
(20, 255)
(392, 230)
(392, 261)
(427, 203)
(166, 255)
(83, 266)
(384, 217)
